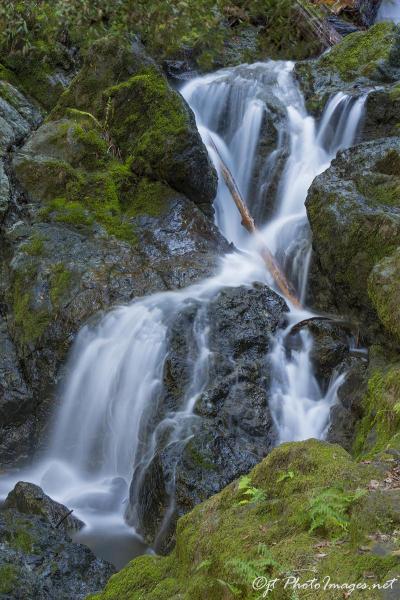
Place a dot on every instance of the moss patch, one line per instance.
(361, 53)
(222, 545)
(384, 293)
(8, 578)
(29, 320)
(381, 406)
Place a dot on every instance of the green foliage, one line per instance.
(285, 476)
(247, 570)
(328, 511)
(201, 28)
(253, 494)
(21, 540)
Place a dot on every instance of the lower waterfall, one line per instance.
(114, 373)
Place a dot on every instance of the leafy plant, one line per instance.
(253, 494)
(246, 571)
(284, 476)
(328, 510)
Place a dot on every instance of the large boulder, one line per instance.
(306, 508)
(144, 118)
(382, 109)
(355, 220)
(235, 429)
(363, 59)
(384, 291)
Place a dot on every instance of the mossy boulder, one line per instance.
(364, 58)
(379, 429)
(354, 212)
(384, 291)
(382, 112)
(304, 512)
(145, 120)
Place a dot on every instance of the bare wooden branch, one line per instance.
(248, 223)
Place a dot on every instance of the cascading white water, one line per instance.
(104, 430)
(389, 10)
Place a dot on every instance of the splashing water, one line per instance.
(389, 10)
(104, 432)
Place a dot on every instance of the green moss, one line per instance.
(29, 321)
(62, 210)
(360, 53)
(147, 120)
(151, 198)
(381, 407)
(22, 540)
(380, 188)
(395, 92)
(222, 544)
(8, 578)
(383, 292)
(46, 179)
(35, 245)
(60, 281)
(389, 164)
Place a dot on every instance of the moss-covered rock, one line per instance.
(29, 499)
(38, 559)
(354, 214)
(384, 290)
(303, 512)
(144, 120)
(379, 429)
(361, 59)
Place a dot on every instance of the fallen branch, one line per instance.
(64, 517)
(248, 223)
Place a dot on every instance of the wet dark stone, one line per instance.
(231, 429)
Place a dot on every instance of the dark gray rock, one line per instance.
(354, 214)
(39, 561)
(231, 428)
(30, 499)
(382, 110)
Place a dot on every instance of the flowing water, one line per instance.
(105, 430)
(389, 10)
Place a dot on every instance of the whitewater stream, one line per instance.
(389, 10)
(114, 374)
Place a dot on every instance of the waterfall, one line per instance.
(105, 430)
(389, 10)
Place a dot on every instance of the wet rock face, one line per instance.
(28, 498)
(382, 109)
(355, 220)
(334, 353)
(84, 228)
(39, 561)
(231, 428)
